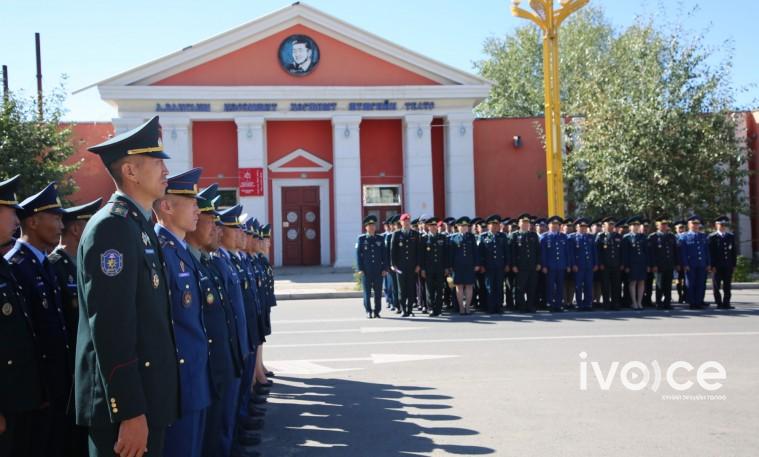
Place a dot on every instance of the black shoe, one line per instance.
(248, 438)
(406, 314)
(261, 389)
(251, 423)
(258, 400)
(369, 316)
(376, 315)
(726, 307)
(255, 410)
(695, 307)
(398, 311)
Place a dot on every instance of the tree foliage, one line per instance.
(652, 132)
(36, 149)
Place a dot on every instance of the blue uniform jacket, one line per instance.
(189, 330)
(233, 287)
(583, 248)
(43, 300)
(694, 250)
(371, 255)
(555, 251)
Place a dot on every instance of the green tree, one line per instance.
(652, 130)
(36, 149)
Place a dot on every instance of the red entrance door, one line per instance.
(300, 226)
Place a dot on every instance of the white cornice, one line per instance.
(272, 23)
(320, 164)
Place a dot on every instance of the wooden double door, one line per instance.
(300, 234)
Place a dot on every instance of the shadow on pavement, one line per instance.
(337, 417)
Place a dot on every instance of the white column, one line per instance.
(125, 124)
(459, 165)
(251, 153)
(417, 165)
(176, 143)
(347, 182)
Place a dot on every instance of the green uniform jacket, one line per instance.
(126, 363)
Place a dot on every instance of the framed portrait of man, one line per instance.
(298, 55)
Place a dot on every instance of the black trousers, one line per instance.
(406, 291)
(722, 279)
(421, 291)
(525, 287)
(540, 290)
(436, 286)
(611, 285)
(664, 287)
(648, 291)
(102, 440)
(372, 283)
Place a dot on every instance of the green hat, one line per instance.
(82, 212)
(145, 139)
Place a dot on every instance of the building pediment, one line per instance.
(300, 161)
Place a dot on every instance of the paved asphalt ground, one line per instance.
(510, 385)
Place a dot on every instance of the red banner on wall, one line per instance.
(251, 182)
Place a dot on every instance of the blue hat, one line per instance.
(370, 220)
(210, 192)
(414, 221)
(449, 220)
(46, 200)
(679, 222)
(555, 219)
(582, 221)
(145, 139)
(230, 216)
(568, 221)
(634, 220)
(8, 192)
(184, 184)
(82, 212)
(432, 220)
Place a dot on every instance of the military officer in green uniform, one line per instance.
(126, 361)
(20, 388)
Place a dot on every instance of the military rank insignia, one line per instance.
(186, 299)
(119, 209)
(145, 239)
(7, 309)
(111, 262)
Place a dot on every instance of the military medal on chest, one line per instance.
(156, 281)
(7, 309)
(186, 299)
(209, 298)
(145, 239)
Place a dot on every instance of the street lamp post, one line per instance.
(549, 20)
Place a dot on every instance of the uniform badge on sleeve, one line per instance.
(111, 262)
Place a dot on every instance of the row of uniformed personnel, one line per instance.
(531, 262)
(146, 336)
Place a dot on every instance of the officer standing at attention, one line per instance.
(583, 264)
(404, 260)
(224, 352)
(127, 386)
(724, 254)
(525, 263)
(41, 228)
(662, 248)
(555, 254)
(64, 264)
(494, 255)
(387, 280)
(434, 264)
(63, 260)
(20, 389)
(635, 260)
(177, 213)
(465, 263)
(609, 251)
(694, 258)
(372, 265)
(567, 228)
(680, 228)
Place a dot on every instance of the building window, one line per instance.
(382, 195)
(228, 198)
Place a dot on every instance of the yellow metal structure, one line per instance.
(549, 19)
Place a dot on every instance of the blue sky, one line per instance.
(91, 40)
